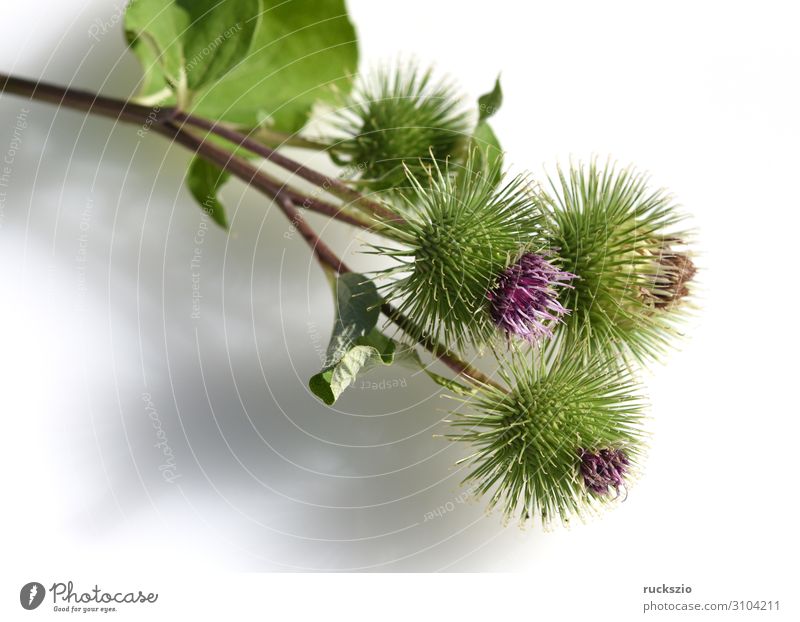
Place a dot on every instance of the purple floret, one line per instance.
(604, 470)
(524, 301)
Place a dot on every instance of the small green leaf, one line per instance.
(320, 385)
(358, 306)
(204, 181)
(330, 383)
(490, 102)
(486, 154)
(383, 345)
(369, 351)
(489, 152)
(355, 344)
(484, 140)
(483, 145)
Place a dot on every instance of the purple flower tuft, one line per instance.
(524, 302)
(603, 470)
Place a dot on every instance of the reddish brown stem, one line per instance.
(329, 184)
(163, 122)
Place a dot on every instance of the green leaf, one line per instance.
(489, 152)
(383, 345)
(244, 61)
(484, 140)
(153, 82)
(204, 181)
(370, 350)
(302, 52)
(358, 306)
(484, 145)
(356, 346)
(449, 384)
(219, 38)
(490, 102)
(155, 29)
(195, 42)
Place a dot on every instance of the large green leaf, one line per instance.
(219, 38)
(302, 52)
(193, 42)
(244, 61)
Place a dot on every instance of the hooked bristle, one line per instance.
(459, 233)
(564, 435)
(610, 230)
(399, 118)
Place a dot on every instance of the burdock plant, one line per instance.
(398, 123)
(459, 235)
(524, 300)
(563, 288)
(620, 237)
(560, 441)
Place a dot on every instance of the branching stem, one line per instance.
(329, 184)
(171, 124)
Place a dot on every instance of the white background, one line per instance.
(703, 95)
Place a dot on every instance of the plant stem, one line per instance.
(147, 117)
(329, 209)
(164, 123)
(250, 174)
(329, 184)
(448, 357)
(282, 139)
(86, 101)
